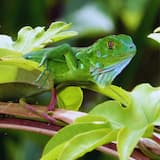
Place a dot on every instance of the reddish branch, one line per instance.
(29, 125)
(20, 118)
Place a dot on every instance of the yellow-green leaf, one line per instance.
(70, 98)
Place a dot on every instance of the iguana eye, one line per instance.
(110, 44)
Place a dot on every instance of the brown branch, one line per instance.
(19, 111)
(20, 118)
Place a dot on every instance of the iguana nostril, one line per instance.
(132, 46)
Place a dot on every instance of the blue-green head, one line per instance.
(108, 56)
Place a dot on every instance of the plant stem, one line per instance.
(20, 118)
(29, 125)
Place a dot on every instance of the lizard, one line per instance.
(97, 64)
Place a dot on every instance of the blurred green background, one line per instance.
(92, 19)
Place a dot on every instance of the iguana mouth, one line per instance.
(106, 75)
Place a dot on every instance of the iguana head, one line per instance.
(108, 56)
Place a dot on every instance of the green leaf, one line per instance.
(144, 108)
(80, 144)
(127, 140)
(6, 53)
(114, 92)
(70, 98)
(30, 39)
(70, 131)
(146, 99)
(91, 119)
(156, 35)
(117, 115)
(6, 42)
(20, 76)
(86, 142)
(112, 111)
(157, 29)
(54, 153)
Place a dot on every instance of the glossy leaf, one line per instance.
(70, 98)
(6, 42)
(20, 77)
(145, 99)
(114, 92)
(54, 153)
(7, 53)
(91, 119)
(111, 111)
(127, 140)
(126, 125)
(135, 120)
(69, 132)
(80, 144)
(156, 35)
(118, 115)
(30, 39)
(86, 142)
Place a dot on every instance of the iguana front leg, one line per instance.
(62, 50)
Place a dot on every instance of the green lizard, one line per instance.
(97, 64)
(93, 67)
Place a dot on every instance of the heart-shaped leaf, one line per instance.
(135, 120)
(70, 98)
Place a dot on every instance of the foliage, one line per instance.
(126, 125)
(15, 67)
(125, 119)
(156, 35)
(140, 16)
(30, 39)
(70, 98)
